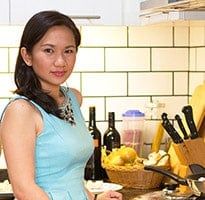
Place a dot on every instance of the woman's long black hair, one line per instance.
(26, 80)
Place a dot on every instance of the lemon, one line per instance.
(128, 154)
(116, 160)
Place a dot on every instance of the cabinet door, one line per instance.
(4, 12)
(110, 11)
(131, 11)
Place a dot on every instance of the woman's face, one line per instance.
(53, 57)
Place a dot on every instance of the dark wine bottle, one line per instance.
(111, 138)
(93, 169)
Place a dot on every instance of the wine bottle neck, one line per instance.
(111, 120)
(92, 123)
(92, 120)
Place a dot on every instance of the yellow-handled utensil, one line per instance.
(156, 142)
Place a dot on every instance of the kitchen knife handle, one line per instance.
(188, 112)
(175, 133)
(181, 126)
(169, 133)
(170, 129)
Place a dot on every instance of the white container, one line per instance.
(133, 126)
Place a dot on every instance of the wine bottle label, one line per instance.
(96, 143)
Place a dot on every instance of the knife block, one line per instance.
(183, 154)
(190, 151)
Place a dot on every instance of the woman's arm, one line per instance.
(18, 132)
(108, 195)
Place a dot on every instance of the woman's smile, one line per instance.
(58, 74)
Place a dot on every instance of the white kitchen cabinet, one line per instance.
(110, 11)
(4, 12)
(130, 12)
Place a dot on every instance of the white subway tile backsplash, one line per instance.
(170, 59)
(200, 59)
(120, 68)
(197, 61)
(13, 52)
(150, 128)
(104, 84)
(181, 23)
(197, 36)
(106, 36)
(159, 83)
(196, 23)
(4, 58)
(74, 81)
(119, 105)
(195, 79)
(3, 103)
(181, 36)
(150, 36)
(180, 83)
(90, 59)
(8, 85)
(128, 59)
(173, 104)
(98, 102)
(192, 59)
(10, 36)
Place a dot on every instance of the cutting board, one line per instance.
(197, 102)
(202, 129)
(198, 105)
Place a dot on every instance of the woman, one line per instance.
(45, 140)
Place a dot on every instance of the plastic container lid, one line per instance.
(133, 113)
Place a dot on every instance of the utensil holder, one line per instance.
(191, 151)
(184, 154)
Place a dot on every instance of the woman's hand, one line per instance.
(110, 195)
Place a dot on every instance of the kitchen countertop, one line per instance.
(137, 194)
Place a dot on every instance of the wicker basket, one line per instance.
(134, 177)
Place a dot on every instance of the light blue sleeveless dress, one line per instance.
(61, 154)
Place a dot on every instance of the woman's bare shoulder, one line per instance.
(78, 95)
(20, 105)
(19, 118)
(19, 108)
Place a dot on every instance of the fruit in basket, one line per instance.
(114, 158)
(128, 154)
(117, 160)
(123, 156)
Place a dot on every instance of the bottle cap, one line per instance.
(133, 113)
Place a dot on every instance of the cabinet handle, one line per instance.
(85, 16)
